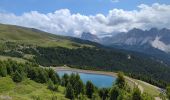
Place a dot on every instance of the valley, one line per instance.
(84, 49)
(45, 50)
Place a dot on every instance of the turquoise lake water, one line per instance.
(99, 80)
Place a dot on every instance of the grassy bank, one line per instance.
(27, 90)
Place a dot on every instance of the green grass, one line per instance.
(22, 35)
(150, 89)
(147, 88)
(27, 90)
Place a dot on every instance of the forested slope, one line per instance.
(51, 50)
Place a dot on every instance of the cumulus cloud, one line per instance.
(64, 22)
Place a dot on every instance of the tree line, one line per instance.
(20, 71)
(101, 59)
(93, 58)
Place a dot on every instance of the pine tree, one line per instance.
(136, 94)
(89, 89)
(95, 96)
(104, 93)
(9, 69)
(3, 71)
(168, 92)
(53, 76)
(50, 85)
(82, 97)
(65, 80)
(69, 92)
(120, 81)
(79, 87)
(114, 93)
(17, 77)
(42, 76)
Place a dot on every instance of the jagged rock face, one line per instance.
(136, 39)
(153, 42)
(89, 36)
(159, 39)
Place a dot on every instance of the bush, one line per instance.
(114, 93)
(96, 96)
(17, 77)
(51, 86)
(89, 89)
(3, 71)
(168, 92)
(136, 94)
(69, 92)
(120, 81)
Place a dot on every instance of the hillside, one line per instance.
(26, 44)
(23, 35)
(27, 90)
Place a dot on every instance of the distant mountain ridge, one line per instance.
(155, 42)
(90, 37)
(159, 39)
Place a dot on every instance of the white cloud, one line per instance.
(65, 23)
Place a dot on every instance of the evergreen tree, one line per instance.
(79, 87)
(82, 97)
(9, 68)
(42, 76)
(53, 76)
(123, 95)
(65, 80)
(95, 96)
(77, 76)
(168, 92)
(104, 93)
(120, 81)
(54, 79)
(136, 94)
(69, 92)
(72, 79)
(33, 74)
(17, 77)
(3, 70)
(114, 93)
(89, 89)
(50, 85)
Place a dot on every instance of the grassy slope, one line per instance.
(27, 90)
(32, 36)
(20, 60)
(148, 88)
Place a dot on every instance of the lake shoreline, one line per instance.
(133, 82)
(112, 74)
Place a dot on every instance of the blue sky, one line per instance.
(73, 17)
(85, 7)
